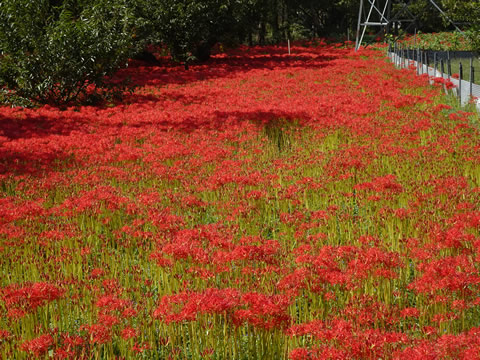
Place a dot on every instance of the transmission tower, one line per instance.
(378, 14)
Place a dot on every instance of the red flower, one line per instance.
(4, 334)
(129, 333)
(410, 312)
(39, 345)
(99, 334)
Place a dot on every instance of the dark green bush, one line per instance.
(189, 28)
(61, 51)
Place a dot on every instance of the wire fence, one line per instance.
(456, 70)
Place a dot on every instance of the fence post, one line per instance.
(418, 61)
(471, 77)
(420, 55)
(424, 62)
(460, 77)
(401, 58)
(449, 68)
(434, 64)
(395, 54)
(442, 70)
(399, 50)
(428, 62)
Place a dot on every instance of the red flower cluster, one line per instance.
(21, 300)
(314, 205)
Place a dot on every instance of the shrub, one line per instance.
(61, 51)
(191, 28)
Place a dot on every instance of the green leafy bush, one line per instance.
(466, 12)
(473, 35)
(61, 51)
(190, 28)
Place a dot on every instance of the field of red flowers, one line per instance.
(318, 205)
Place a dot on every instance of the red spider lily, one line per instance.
(160, 260)
(108, 320)
(72, 341)
(129, 313)
(99, 334)
(95, 273)
(267, 312)
(4, 334)
(140, 348)
(39, 345)
(349, 265)
(112, 303)
(112, 286)
(260, 203)
(349, 343)
(410, 312)
(382, 184)
(190, 304)
(451, 273)
(462, 346)
(128, 333)
(303, 354)
(29, 297)
(64, 354)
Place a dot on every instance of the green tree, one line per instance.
(190, 28)
(61, 51)
(468, 13)
(463, 10)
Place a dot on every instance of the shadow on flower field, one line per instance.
(318, 205)
(222, 66)
(33, 141)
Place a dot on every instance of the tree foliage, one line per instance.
(468, 12)
(190, 28)
(58, 51)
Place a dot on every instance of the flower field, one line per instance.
(318, 205)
